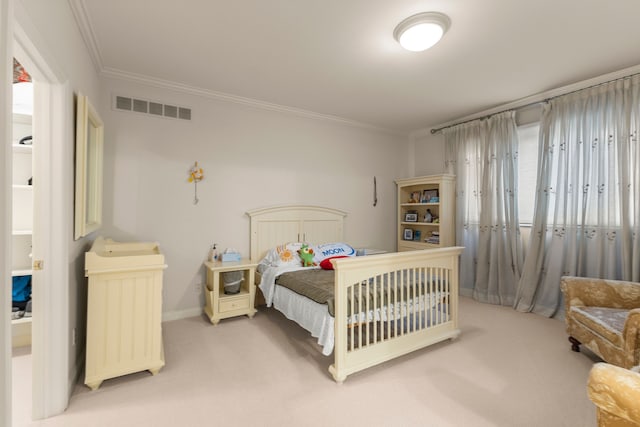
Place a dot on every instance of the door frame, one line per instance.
(6, 48)
(51, 387)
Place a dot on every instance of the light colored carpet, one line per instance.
(506, 369)
(21, 384)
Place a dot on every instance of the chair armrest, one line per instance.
(631, 334)
(615, 390)
(589, 292)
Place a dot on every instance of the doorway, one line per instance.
(52, 116)
(22, 186)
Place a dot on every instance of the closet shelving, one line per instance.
(22, 223)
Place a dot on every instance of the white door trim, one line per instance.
(6, 55)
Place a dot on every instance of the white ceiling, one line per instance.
(339, 58)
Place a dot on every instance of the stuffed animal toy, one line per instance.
(306, 255)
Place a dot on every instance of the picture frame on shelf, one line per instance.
(411, 217)
(408, 234)
(430, 196)
(417, 234)
(414, 197)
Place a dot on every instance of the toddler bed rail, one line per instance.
(392, 304)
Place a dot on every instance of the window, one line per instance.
(527, 171)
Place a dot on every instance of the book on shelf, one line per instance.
(434, 238)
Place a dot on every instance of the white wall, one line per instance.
(252, 158)
(428, 153)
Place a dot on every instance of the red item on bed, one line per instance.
(326, 263)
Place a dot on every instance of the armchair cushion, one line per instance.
(608, 322)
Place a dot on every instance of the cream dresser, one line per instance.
(124, 309)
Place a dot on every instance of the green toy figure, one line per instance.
(306, 255)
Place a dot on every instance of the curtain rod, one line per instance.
(543, 101)
(436, 130)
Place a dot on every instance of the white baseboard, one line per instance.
(182, 314)
(75, 377)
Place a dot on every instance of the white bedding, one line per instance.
(312, 316)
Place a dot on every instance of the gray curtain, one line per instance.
(483, 156)
(587, 209)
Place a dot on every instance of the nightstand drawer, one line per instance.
(231, 304)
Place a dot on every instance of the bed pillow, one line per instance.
(329, 250)
(325, 264)
(286, 254)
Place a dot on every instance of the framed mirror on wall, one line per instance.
(89, 149)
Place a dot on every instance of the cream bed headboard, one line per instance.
(277, 225)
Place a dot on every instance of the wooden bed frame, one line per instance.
(408, 319)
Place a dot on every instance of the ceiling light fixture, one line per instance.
(421, 31)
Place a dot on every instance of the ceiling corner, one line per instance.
(86, 30)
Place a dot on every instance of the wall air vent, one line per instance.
(155, 108)
(140, 106)
(171, 111)
(184, 113)
(124, 103)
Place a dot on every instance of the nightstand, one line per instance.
(220, 305)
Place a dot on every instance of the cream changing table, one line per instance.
(124, 309)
